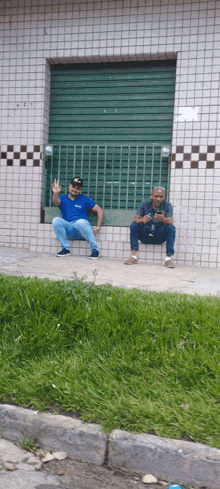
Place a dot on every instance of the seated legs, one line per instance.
(161, 235)
(80, 229)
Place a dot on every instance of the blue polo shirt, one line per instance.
(146, 208)
(72, 210)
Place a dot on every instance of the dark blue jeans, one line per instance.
(164, 233)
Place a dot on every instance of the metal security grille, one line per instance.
(115, 176)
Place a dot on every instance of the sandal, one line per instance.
(169, 264)
(132, 260)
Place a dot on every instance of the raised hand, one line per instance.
(56, 187)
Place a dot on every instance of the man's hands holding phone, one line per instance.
(159, 216)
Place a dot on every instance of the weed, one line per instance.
(95, 273)
(29, 445)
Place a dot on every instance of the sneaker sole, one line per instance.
(94, 258)
(63, 256)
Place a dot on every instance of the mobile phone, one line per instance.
(159, 212)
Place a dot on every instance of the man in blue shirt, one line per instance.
(75, 223)
(153, 224)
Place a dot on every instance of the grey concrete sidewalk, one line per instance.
(20, 469)
(176, 461)
(184, 280)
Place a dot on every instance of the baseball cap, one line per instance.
(77, 181)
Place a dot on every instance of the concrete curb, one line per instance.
(179, 461)
(174, 460)
(82, 442)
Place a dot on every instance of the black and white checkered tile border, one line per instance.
(178, 156)
(195, 157)
(22, 156)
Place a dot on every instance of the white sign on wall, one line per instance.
(188, 114)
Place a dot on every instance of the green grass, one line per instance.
(140, 361)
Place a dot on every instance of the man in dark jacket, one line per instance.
(153, 224)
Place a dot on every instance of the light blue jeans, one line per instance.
(80, 229)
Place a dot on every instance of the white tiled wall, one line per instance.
(34, 34)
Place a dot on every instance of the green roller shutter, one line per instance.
(107, 124)
(112, 103)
